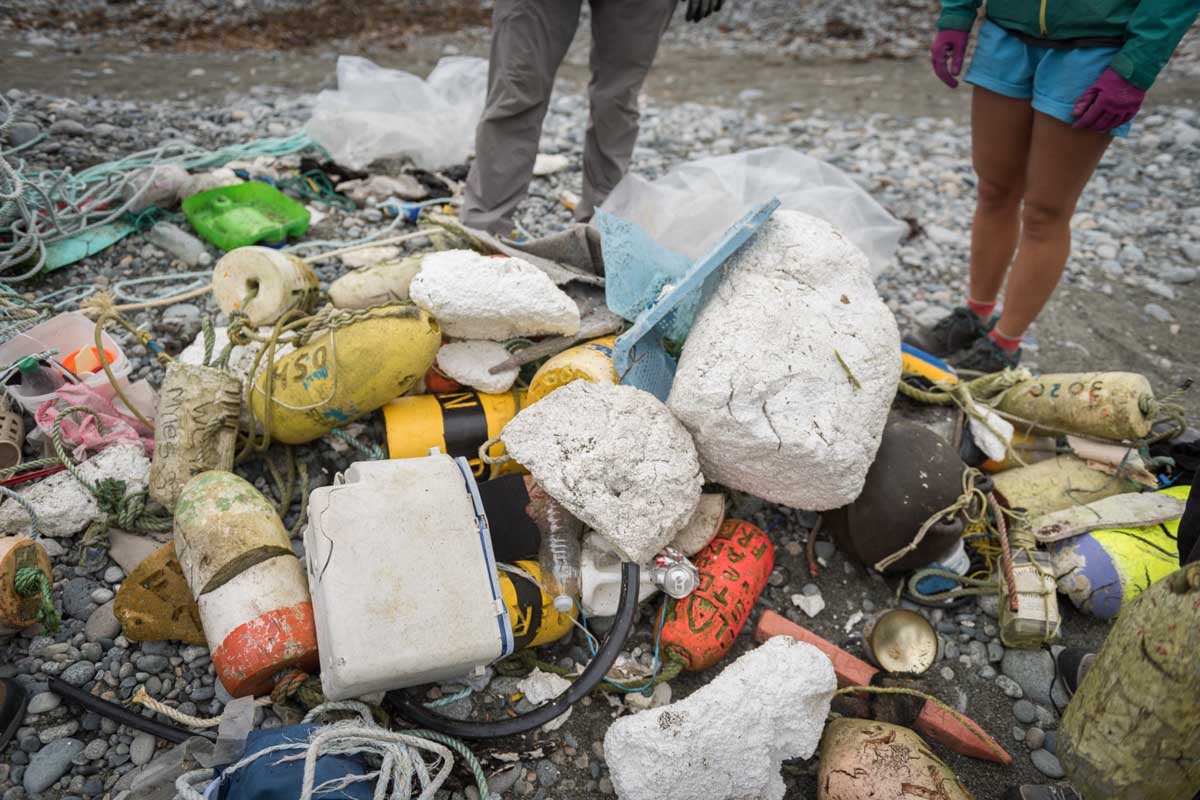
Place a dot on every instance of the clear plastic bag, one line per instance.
(689, 208)
(386, 113)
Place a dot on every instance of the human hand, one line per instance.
(949, 45)
(1108, 103)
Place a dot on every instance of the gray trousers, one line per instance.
(529, 40)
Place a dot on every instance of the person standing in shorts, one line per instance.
(1054, 81)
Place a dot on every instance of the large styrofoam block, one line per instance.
(63, 505)
(727, 739)
(470, 363)
(241, 357)
(788, 373)
(476, 297)
(615, 458)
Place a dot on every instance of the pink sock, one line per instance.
(1006, 343)
(982, 310)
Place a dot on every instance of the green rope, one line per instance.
(30, 581)
(124, 509)
(454, 744)
(368, 449)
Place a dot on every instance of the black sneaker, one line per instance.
(950, 334)
(986, 356)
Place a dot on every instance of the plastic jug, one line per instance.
(67, 333)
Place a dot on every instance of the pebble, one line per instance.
(1025, 711)
(1010, 687)
(1051, 742)
(60, 731)
(1033, 670)
(141, 749)
(547, 774)
(1047, 763)
(1035, 738)
(102, 623)
(43, 702)
(947, 673)
(151, 664)
(114, 574)
(68, 127)
(79, 673)
(49, 764)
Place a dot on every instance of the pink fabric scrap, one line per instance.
(88, 432)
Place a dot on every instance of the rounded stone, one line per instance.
(1035, 738)
(1025, 711)
(1047, 763)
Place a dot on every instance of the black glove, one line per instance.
(699, 9)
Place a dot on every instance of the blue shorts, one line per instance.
(1053, 78)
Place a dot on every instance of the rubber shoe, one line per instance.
(986, 356)
(13, 699)
(951, 334)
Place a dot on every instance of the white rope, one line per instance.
(402, 759)
(142, 698)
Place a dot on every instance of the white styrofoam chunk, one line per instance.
(615, 458)
(473, 296)
(63, 505)
(541, 687)
(790, 369)
(469, 362)
(726, 740)
(241, 357)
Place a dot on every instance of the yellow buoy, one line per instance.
(346, 371)
(591, 361)
(1109, 405)
(535, 621)
(457, 423)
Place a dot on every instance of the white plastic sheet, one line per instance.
(687, 209)
(386, 113)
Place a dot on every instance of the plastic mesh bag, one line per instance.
(687, 209)
(386, 113)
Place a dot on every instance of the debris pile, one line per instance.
(431, 479)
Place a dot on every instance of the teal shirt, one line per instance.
(1151, 28)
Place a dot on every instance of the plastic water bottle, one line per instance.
(179, 243)
(36, 379)
(560, 549)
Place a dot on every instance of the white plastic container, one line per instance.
(601, 578)
(403, 577)
(66, 333)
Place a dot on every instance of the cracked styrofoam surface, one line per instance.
(541, 687)
(727, 739)
(772, 410)
(473, 296)
(469, 362)
(63, 505)
(241, 357)
(615, 458)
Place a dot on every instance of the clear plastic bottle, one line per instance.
(560, 550)
(37, 379)
(179, 243)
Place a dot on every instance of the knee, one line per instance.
(997, 197)
(1044, 219)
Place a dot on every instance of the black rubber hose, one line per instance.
(118, 714)
(596, 669)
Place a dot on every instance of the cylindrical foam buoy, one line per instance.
(591, 361)
(734, 568)
(17, 611)
(12, 437)
(1108, 405)
(457, 423)
(260, 623)
(195, 429)
(251, 589)
(915, 474)
(531, 612)
(1057, 483)
(375, 285)
(263, 284)
(346, 372)
(862, 759)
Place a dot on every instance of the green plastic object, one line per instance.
(235, 216)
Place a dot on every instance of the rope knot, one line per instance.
(110, 495)
(29, 581)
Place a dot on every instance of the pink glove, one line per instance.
(1108, 103)
(950, 45)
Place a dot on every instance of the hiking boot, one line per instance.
(13, 699)
(987, 357)
(950, 334)
(1028, 791)
(1073, 663)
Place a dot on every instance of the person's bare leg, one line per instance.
(1001, 131)
(1061, 160)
